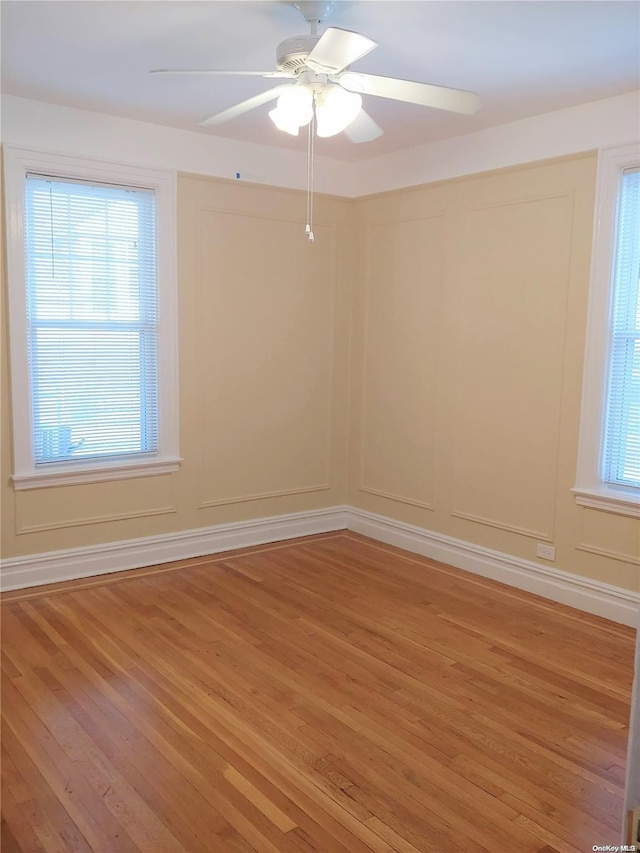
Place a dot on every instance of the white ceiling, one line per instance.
(523, 57)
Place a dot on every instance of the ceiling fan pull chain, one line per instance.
(311, 128)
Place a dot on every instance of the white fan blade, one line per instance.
(220, 73)
(245, 106)
(337, 49)
(363, 128)
(424, 94)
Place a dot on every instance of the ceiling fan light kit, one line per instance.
(335, 108)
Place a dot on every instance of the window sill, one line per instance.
(73, 476)
(609, 500)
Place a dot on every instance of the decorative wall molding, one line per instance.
(510, 528)
(94, 519)
(429, 503)
(322, 487)
(400, 498)
(516, 201)
(601, 599)
(202, 337)
(74, 563)
(606, 552)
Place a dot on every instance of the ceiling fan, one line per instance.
(324, 90)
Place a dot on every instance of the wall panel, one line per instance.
(99, 503)
(405, 277)
(467, 366)
(266, 303)
(608, 535)
(510, 293)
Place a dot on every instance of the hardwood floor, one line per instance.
(330, 694)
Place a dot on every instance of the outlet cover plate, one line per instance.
(547, 552)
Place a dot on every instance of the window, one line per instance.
(92, 314)
(621, 451)
(609, 454)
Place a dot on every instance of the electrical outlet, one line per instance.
(547, 552)
(633, 828)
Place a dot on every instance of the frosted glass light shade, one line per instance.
(293, 110)
(336, 109)
(283, 122)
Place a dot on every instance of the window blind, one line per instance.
(621, 456)
(91, 319)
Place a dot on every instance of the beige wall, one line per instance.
(263, 331)
(468, 344)
(431, 338)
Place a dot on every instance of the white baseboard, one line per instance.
(601, 599)
(74, 563)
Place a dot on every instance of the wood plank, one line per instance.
(271, 811)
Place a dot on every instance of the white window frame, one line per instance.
(18, 162)
(590, 490)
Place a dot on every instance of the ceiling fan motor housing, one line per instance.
(291, 54)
